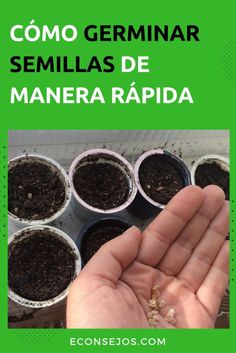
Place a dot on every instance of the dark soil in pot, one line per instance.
(212, 173)
(34, 191)
(101, 185)
(98, 234)
(40, 266)
(160, 179)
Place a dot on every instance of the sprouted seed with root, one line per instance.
(155, 305)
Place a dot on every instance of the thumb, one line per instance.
(115, 256)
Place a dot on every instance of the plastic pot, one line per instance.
(53, 166)
(143, 206)
(86, 211)
(210, 158)
(118, 222)
(28, 232)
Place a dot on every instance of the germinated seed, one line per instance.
(162, 303)
(149, 314)
(172, 321)
(152, 322)
(171, 312)
(168, 318)
(155, 292)
(156, 317)
(153, 315)
(155, 312)
(153, 301)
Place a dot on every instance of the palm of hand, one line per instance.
(126, 303)
(114, 288)
(190, 312)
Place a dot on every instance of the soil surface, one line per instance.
(160, 179)
(212, 173)
(40, 266)
(101, 185)
(34, 191)
(98, 235)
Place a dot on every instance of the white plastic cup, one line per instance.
(143, 206)
(55, 167)
(223, 162)
(87, 212)
(27, 232)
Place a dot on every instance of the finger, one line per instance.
(114, 256)
(181, 249)
(159, 235)
(215, 283)
(200, 262)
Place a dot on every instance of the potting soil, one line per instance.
(160, 179)
(40, 266)
(101, 185)
(34, 191)
(212, 173)
(98, 236)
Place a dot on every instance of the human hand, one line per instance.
(183, 250)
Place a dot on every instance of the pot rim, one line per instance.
(147, 154)
(130, 176)
(221, 160)
(65, 180)
(45, 303)
(85, 228)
